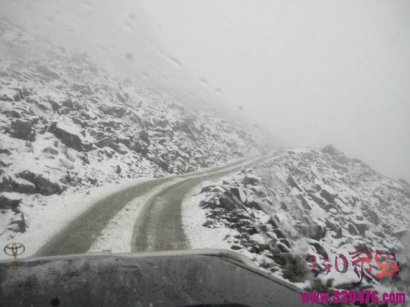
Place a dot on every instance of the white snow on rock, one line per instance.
(68, 127)
(308, 201)
(198, 235)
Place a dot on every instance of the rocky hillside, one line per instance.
(304, 203)
(66, 124)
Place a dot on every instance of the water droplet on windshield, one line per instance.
(85, 5)
(128, 27)
(102, 49)
(169, 58)
(203, 81)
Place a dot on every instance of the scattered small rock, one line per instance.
(144, 136)
(9, 203)
(18, 223)
(12, 113)
(236, 247)
(50, 150)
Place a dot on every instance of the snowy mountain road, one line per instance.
(158, 226)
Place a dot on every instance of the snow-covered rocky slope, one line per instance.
(66, 126)
(304, 202)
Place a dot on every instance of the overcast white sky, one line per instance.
(313, 72)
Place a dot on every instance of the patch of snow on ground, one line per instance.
(193, 217)
(117, 235)
(46, 216)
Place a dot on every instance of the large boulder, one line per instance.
(331, 150)
(17, 185)
(119, 147)
(71, 104)
(22, 130)
(292, 182)
(187, 127)
(162, 123)
(352, 229)
(144, 136)
(54, 104)
(164, 165)
(103, 142)
(12, 113)
(328, 194)
(6, 97)
(43, 185)
(7, 203)
(139, 148)
(317, 200)
(122, 97)
(115, 111)
(50, 150)
(23, 93)
(125, 140)
(250, 180)
(231, 199)
(338, 157)
(69, 135)
(372, 216)
(4, 151)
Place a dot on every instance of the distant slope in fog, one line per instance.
(65, 124)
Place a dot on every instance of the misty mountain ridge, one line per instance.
(67, 127)
(66, 123)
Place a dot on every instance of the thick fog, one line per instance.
(313, 72)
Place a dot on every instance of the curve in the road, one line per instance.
(159, 226)
(78, 235)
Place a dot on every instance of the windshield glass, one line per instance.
(278, 130)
